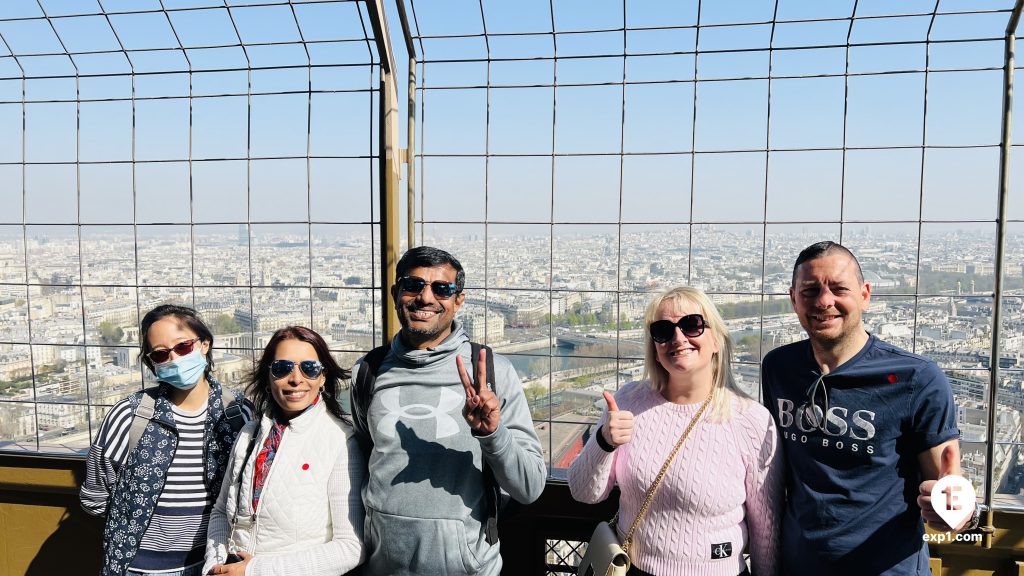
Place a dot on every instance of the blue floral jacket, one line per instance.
(139, 480)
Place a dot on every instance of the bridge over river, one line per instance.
(627, 348)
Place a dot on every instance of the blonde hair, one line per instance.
(723, 384)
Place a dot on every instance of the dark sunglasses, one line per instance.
(164, 354)
(692, 325)
(309, 368)
(414, 285)
(813, 415)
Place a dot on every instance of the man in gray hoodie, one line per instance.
(433, 427)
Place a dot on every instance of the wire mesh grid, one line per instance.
(563, 556)
(216, 154)
(581, 156)
(577, 156)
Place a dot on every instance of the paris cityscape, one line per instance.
(567, 308)
(242, 158)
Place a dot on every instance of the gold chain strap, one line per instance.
(661, 475)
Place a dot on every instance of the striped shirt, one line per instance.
(176, 535)
(182, 505)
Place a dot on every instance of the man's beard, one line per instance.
(828, 342)
(420, 333)
(832, 341)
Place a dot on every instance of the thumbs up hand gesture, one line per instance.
(618, 430)
(948, 464)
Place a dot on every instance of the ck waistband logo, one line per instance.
(719, 551)
(446, 425)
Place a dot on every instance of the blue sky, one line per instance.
(693, 121)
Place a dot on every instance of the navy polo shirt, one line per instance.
(852, 488)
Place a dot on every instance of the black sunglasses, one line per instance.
(415, 285)
(164, 354)
(692, 325)
(812, 415)
(309, 368)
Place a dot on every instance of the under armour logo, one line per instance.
(723, 550)
(446, 425)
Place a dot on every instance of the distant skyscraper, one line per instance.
(243, 235)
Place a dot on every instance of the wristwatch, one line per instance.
(975, 520)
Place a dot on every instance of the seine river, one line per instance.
(539, 358)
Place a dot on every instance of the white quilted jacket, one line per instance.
(309, 520)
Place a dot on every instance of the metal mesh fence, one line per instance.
(576, 156)
(581, 156)
(216, 154)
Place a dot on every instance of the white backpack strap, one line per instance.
(143, 414)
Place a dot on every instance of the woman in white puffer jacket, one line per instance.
(290, 502)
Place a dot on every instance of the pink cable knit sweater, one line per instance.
(725, 485)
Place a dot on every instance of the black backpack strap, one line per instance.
(491, 488)
(362, 393)
(476, 348)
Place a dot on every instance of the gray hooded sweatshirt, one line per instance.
(425, 499)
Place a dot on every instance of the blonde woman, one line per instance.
(723, 491)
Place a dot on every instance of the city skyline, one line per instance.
(79, 373)
(576, 156)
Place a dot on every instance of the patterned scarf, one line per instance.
(266, 456)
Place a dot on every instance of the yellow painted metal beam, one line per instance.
(389, 165)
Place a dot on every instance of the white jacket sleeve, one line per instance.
(219, 529)
(345, 551)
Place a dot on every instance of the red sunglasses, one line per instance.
(164, 354)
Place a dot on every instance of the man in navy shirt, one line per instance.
(865, 428)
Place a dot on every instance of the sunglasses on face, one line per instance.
(415, 285)
(164, 354)
(310, 368)
(692, 325)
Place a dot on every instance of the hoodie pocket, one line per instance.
(405, 545)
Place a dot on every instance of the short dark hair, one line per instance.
(189, 317)
(428, 257)
(822, 249)
(258, 387)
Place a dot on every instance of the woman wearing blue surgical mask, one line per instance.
(157, 462)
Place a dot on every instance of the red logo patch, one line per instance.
(892, 378)
(305, 466)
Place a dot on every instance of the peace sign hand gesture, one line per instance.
(482, 411)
